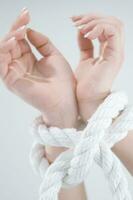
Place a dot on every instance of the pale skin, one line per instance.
(50, 85)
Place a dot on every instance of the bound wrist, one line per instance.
(72, 122)
(88, 106)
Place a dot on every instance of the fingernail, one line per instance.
(23, 9)
(80, 27)
(24, 12)
(21, 28)
(86, 35)
(75, 24)
(12, 39)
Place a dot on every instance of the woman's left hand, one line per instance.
(95, 76)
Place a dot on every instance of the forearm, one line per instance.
(77, 193)
(122, 149)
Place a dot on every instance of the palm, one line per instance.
(52, 75)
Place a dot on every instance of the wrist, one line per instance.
(52, 153)
(87, 107)
(63, 120)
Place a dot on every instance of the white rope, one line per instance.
(108, 125)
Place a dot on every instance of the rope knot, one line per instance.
(108, 125)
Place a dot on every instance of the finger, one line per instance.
(24, 46)
(113, 48)
(109, 21)
(17, 82)
(3, 69)
(85, 46)
(22, 19)
(41, 43)
(5, 56)
(78, 17)
(19, 34)
(88, 18)
(15, 72)
(89, 26)
(120, 27)
(8, 45)
(9, 49)
(15, 52)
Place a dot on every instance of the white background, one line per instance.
(17, 180)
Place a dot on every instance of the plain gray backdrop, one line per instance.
(17, 180)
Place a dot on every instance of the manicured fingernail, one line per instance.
(12, 39)
(75, 24)
(21, 28)
(86, 35)
(80, 27)
(25, 8)
(24, 12)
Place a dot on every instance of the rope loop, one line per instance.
(108, 125)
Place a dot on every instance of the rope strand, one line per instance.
(108, 125)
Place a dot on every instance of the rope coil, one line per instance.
(108, 125)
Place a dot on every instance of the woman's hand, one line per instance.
(47, 84)
(95, 76)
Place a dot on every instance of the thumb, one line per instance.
(41, 43)
(85, 46)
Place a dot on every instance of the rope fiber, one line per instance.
(108, 125)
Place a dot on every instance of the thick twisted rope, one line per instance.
(109, 124)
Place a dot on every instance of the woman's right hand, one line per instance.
(51, 88)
